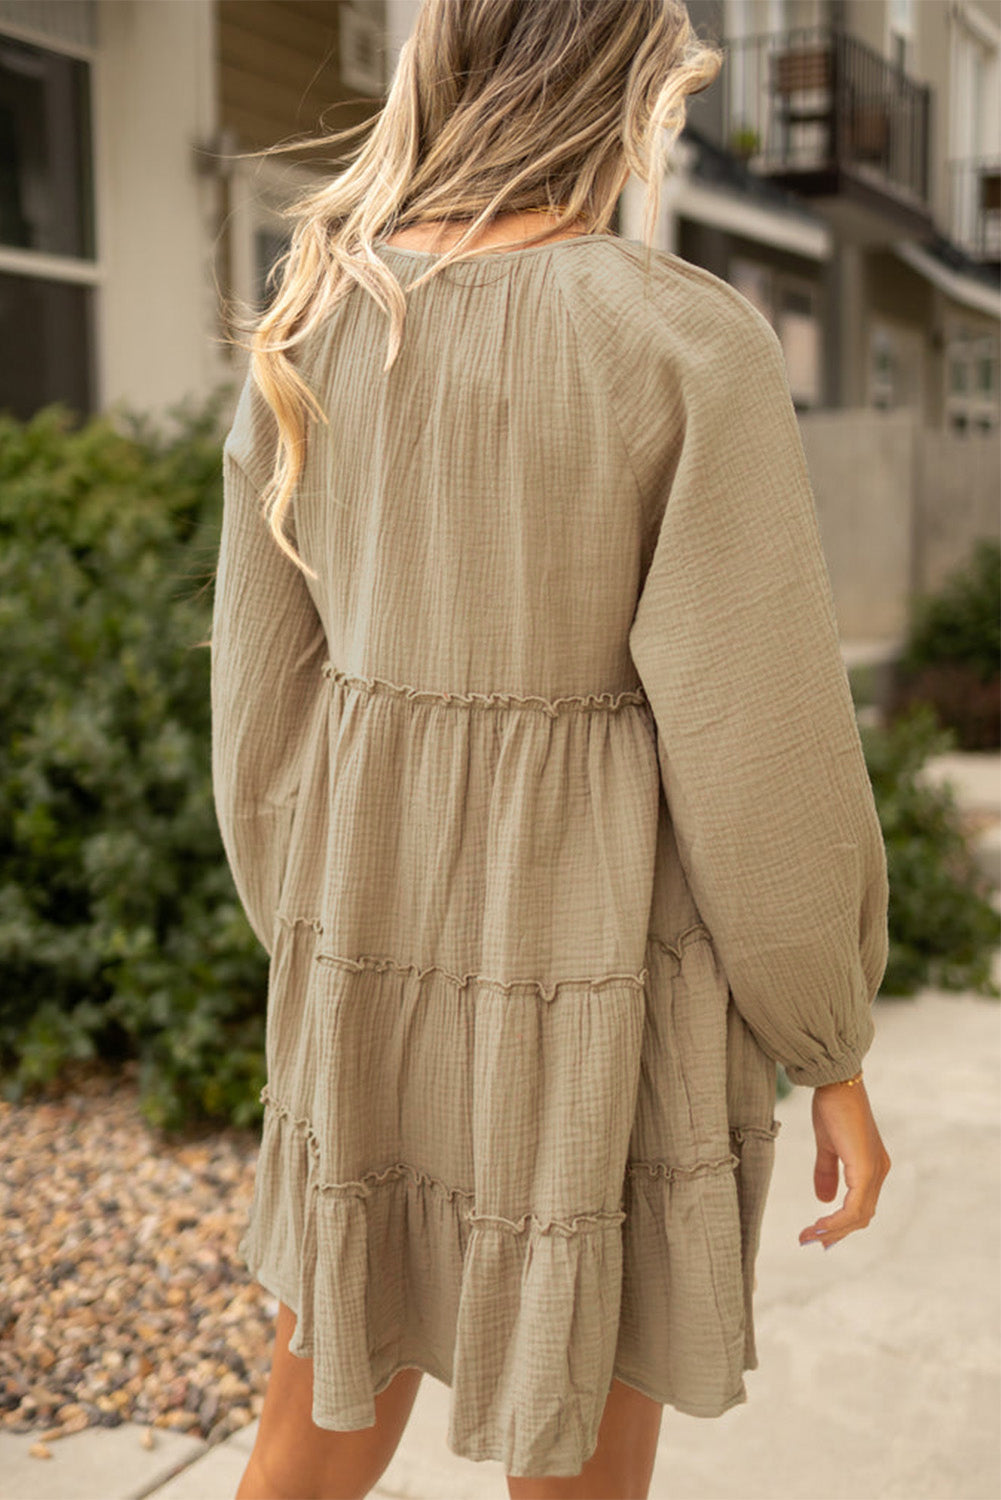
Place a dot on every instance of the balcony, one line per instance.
(818, 112)
(975, 208)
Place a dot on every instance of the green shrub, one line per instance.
(962, 621)
(120, 932)
(943, 926)
(952, 653)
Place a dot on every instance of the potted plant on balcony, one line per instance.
(744, 141)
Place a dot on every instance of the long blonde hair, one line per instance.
(496, 106)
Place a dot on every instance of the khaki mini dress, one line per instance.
(547, 800)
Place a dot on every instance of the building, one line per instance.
(845, 174)
(842, 172)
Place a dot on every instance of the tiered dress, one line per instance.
(548, 802)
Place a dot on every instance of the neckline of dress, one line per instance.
(572, 239)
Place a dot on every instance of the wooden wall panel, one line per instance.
(278, 68)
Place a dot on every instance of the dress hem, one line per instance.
(428, 1367)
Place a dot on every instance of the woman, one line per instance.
(538, 773)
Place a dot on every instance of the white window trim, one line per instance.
(48, 267)
(21, 33)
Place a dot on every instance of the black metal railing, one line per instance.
(815, 99)
(975, 206)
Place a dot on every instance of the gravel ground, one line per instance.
(122, 1297)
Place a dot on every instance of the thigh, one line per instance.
(621, 1466)
(300, 1458)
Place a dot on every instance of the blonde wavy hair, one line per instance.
(496, 107)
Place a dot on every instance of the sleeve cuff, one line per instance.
(834, 1068)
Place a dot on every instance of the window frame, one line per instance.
(43, 263)
(967, 345)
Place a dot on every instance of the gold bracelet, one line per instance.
(856, 1079)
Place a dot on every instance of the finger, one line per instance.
(825, 1174)
(854, 1213)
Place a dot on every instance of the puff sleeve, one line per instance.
(736, 642)
(267, 646)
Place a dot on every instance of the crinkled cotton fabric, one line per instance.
(547, 800)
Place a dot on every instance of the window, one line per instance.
(754, 281)
(973, 392)
(47, 250)
(46, 200)
(361, 43)
(897, 359)
(883, 379)
(260, 234)
(790, 304)
(269, 246)
(47, 335)
(974, 126)
(798, 328)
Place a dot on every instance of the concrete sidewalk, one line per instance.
(880, 1372)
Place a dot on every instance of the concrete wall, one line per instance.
(862, 466)
(899, 507)
(958, 485)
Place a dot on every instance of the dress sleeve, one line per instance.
(267, 646)
(736, 642)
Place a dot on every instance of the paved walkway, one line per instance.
(880, 1373)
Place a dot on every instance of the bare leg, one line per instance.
(621, 1466)
(293, 1459)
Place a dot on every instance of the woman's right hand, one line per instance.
(846, 1132)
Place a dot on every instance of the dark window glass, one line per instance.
(269, 246)
(797, 300)
(46, 195)
(50, 326)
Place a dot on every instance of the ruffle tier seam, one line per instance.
(290, 921)
(576, 1223)
(670, 1172)
(537, 703)
(462, 981)
(697, 932)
